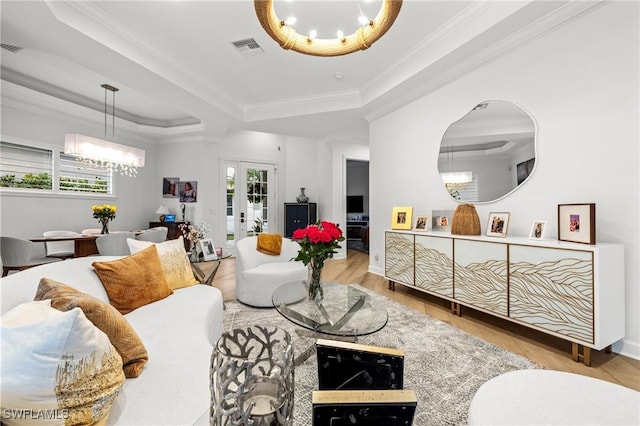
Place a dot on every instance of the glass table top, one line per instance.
(344, 311)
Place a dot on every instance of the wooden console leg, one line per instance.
(607, 350)
(392, 285)
(585, 356)
(456, 309)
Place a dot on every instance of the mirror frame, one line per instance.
(535, 151)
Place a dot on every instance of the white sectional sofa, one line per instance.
(178, 332)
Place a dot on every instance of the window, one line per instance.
(81, 177)
(25, 167)
(467, 191)
(32, 168)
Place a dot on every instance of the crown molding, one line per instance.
(537, 27)
(477, 17)
(35, 102)
(304, 105)
(87, 18)
(12, 76)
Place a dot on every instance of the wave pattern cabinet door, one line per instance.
(480, 275)
(434, 264)
(398, 257)
(553, 289)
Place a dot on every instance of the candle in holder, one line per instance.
(264, 397)
(252, 377)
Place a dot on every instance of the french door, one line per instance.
(251, 206)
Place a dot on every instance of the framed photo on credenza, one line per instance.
(577, 223)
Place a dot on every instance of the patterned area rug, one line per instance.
(443, 365)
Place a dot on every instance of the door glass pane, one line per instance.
(231, 223)
(257, 205)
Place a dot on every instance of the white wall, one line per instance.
(580, 83)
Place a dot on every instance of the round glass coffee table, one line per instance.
(345, 310)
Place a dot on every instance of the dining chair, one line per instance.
(91, 231)
(155, 235)
(59, 249)
(16, 255)
(114, 244)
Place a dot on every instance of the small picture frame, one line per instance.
(577, 223)
(402, 218)
(498, 224)
(422, 223)
(208, 249)
(538, 228)
(441, 220)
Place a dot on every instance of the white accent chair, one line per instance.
(60, 249)
(154, 235)
(259, 274)
(16, 255)
(114, 244)
(545, 397)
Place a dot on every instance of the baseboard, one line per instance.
(627, 348)
(376, 270)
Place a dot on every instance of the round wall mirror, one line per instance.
(488, 153)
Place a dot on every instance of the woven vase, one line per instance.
(465, 220)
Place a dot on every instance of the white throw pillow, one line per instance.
(56, 367)
(173, 257)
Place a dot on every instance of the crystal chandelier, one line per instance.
(103, 153)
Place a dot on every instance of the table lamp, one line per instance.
(162, 210)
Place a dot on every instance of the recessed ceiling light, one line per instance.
(339, 76)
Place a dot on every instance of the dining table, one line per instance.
(83, 245)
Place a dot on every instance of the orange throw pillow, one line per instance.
(134, 281)
(104, 316)
(269, 244)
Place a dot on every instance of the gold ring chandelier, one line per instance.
(362, 39)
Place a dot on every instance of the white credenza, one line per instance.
(572, 291)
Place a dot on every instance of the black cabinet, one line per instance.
(298, 216)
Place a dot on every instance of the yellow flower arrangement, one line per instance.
(104, 214)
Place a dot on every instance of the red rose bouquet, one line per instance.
(318, 242)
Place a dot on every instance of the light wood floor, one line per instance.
(548, 351)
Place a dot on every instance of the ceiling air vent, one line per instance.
(247, 47)
(10, 48)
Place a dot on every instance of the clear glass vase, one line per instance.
(314, 284)
(193, 254)
(105, 226)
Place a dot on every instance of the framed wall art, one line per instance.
(441, 220)
(524, 169)
(538, 228)
(422, 223)
(208, 249)
(498, 224)
(170, 187)
(188, 191)
(401, 218)
(577, 223)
